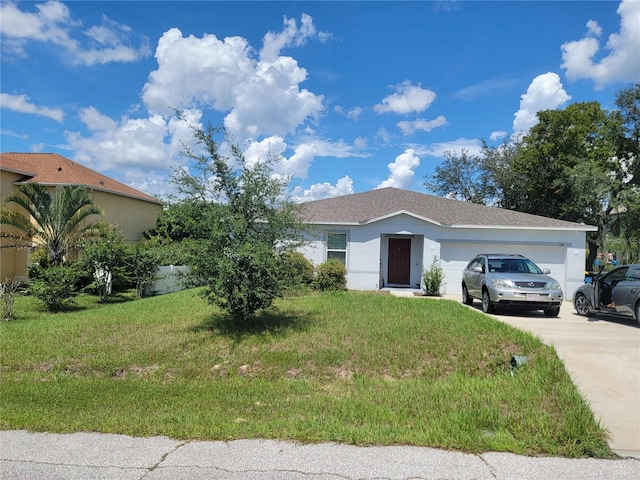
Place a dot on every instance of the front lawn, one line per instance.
(360, 368)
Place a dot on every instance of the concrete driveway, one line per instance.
(602, 355)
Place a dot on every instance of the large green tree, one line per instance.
(565, 160)
(578, 164)
(463, 177)
(54, 219)
(627, 222)
(255, 228)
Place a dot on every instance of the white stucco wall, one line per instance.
(560, 251)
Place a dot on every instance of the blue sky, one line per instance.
(347, 96)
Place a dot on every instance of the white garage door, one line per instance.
(455, 257)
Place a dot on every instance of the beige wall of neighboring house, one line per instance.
(133, 211)
(132, 215)
(13, 263)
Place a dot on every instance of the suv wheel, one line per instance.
(552, 312)
(638, 312)
(487, 306)
(466, 299)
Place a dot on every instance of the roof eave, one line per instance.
(113, 192)
(402, 212)
(578, 228)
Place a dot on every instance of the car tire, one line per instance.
(638, 312)
(487, 306)
(466, 299)
(552, 312)
(581, 304)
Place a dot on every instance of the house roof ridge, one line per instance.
(56, 169)
(378, 204)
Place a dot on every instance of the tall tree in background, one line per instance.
(569, 161)
(628, 224)
(463, 177)
(576, 164)
(52, 219)
(255, 229)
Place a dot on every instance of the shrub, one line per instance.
(331, 276)
(56, 287)
(8, 290)
(433, 278)
(104, 255)
(299, 270)
(143, 265)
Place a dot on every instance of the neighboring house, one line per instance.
(133, 211)
(387, 237)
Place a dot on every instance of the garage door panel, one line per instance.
(455, 257)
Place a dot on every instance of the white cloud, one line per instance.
(319, 191)
(471, 146)
(497, 135)
(262, 98)
(411, 127)
(187, 67)
(270, 101)
(291, 35)
(338, 149)
(544, 93)
(406, 99)
(360, 143)
(51, 22)
(94, 120)
(21, 104)
(593, 28)
(133, 147)
(273, 148)
(298, 163)
(402, 170)
(620, 62)
(11, 133)
(488, 87)
(354, 113)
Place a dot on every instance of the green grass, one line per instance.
(359, 368)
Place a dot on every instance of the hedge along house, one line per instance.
(133, 211)
(386, 237)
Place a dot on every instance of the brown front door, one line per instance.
(399, 261)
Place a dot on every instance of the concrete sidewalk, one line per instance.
(92, 456)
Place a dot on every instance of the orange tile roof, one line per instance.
(54, 169)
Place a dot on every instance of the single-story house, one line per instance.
(132, 210)
(389, 236)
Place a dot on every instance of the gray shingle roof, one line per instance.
(368, 207)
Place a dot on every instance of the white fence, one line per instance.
(171, 278)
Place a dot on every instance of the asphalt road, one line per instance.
(89, 456)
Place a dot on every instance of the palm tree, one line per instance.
(53, 220)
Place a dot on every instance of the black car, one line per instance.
(616, 292)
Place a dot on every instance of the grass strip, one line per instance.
(359, 368)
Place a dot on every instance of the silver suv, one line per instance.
(510, 280)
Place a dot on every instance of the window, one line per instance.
(337, 246)
(633, 275)
(476, 262)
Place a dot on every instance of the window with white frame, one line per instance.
(337, 246)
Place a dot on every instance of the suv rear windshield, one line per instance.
(513, 265)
